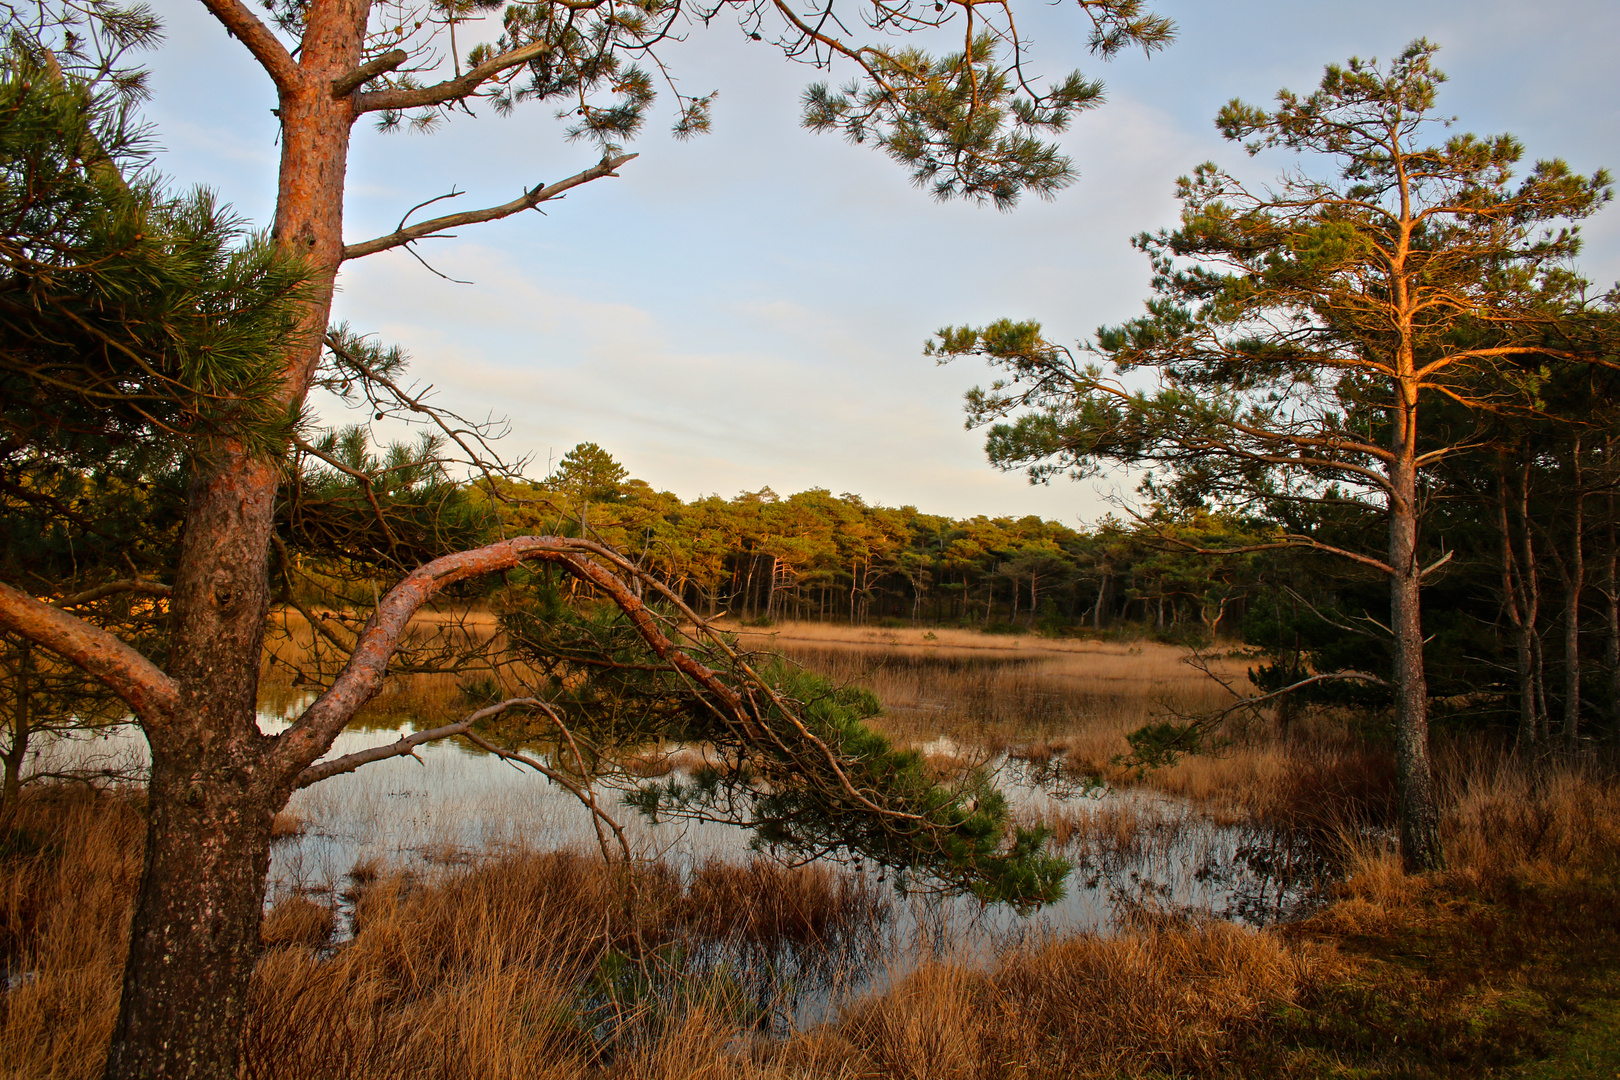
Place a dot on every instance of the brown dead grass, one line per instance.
(298, 922)
(497, 970)
(64, 919)
(286, 825)
(1169, 999)
(503, 969)
(1002, 692)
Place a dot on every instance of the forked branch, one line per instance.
(362, 676)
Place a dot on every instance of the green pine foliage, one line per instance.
(127, 314)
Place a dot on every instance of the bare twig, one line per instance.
(405, 746)
(527, 201)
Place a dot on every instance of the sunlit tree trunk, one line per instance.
(194, 933)
(1420, 811)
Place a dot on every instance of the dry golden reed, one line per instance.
(486, 971)
(64, 917)
(519, 966)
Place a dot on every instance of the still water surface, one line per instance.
(453, 805)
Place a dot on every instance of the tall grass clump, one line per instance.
(67, 878)
(544, 965)
(1159, 999)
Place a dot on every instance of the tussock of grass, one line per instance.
(1171, 999)
(286, 825)
(298, 922)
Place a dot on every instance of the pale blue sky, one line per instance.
(748, 308)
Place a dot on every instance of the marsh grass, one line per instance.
(999, 692)
(533, 965)
(1170, 999)
(521, 963)
(66, 882)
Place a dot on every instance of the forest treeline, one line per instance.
(819, 556)
(1522, 611)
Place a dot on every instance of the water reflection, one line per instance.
(1137, 855)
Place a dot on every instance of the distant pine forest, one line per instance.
(1509, 622)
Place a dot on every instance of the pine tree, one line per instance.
(968, 124)
(1300, 333)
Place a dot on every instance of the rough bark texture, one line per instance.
(212, 794)
(215, 785)
(1420, 815)
(195, 933)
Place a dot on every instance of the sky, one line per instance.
(748, 308)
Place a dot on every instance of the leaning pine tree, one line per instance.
(1299, 332)
(213, 346)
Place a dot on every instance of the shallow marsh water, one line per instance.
(452, 805)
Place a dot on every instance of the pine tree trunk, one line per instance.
(1574, 585)
(748, 586)
(1523, 627)
(1419, 802)
(211, 796)
(1612, 606)
(194, 933)
(1530, 579)
(22, 722)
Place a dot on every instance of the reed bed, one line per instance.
(1004, 692)
(1066, 706)
(541, 964)
(520, 963)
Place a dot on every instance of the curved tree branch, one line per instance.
(241, 23)
(1287, 542)
(362, 676)
(312, 734)
(150, 694)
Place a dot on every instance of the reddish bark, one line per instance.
(216, 780)
(150, 694)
